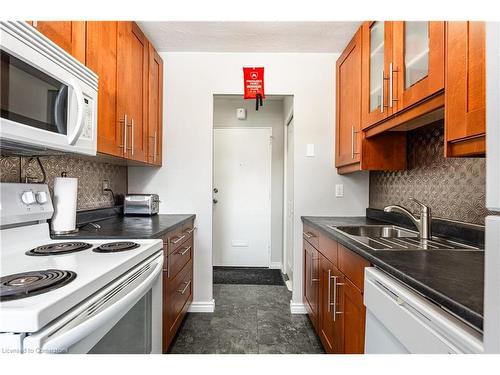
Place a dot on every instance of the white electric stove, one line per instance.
(96, 296)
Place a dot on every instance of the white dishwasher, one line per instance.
(399, 320)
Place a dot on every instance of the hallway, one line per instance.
(247, 319)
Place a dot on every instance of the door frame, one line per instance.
(288, 121)
(270, 130)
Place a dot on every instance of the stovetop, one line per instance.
(95, 264)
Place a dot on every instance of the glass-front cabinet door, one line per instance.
(417, 67)
(376, 50)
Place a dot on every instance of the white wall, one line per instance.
(185, 180)
(270, 115)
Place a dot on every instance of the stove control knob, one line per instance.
(41, 197)
(28, 197)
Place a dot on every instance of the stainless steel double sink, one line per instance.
(391, 237)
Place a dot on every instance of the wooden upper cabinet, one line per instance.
(69, 35)
(465, 92)
(417, 64)
(354, 152)
(130, 103)
(377, 56)
(402, 75)
(155, 107)
(348, 98)
(132, 89)
(102, 53)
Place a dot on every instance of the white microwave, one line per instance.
(48, 98)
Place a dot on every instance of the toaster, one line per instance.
(141, 204)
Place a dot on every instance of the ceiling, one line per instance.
(249, 36)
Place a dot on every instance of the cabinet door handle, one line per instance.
(190, 230)
(124, 145)
(309, 235)
(185, 251)
(329, 290)
(382, 92)
(132, 140)
(179, 239)
(334, 303)
(182, 291)
(392, 71)
(334, 278)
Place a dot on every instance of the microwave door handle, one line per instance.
(78, 127)
(58, 115)
(63, 341)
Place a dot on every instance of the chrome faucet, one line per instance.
(423, 224)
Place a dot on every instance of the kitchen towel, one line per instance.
(65, 194)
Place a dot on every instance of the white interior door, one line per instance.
(242, 197)
(289, 201)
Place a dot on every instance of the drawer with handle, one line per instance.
(311, 235)
(179, 294)
(179, 258)
(175, 239)
(188, 229)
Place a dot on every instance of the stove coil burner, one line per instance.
(115, 247)
(27, 284)
(59, 248)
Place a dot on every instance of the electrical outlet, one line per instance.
(339, 190)
(105, 185)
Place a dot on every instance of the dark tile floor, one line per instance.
(247, 319)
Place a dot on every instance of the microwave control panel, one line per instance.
(88, 119)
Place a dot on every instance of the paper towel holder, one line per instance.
(64, 174)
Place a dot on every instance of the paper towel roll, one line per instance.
(65, 193)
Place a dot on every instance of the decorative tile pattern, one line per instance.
(90, 175)
(455, 188)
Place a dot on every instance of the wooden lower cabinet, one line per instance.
(353, 313)
(333, 295)
(311, 282)
(177, 280)
(330, 319)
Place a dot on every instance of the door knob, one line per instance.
(214, 200)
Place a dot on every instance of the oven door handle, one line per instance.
(109, 306)
(78, 127)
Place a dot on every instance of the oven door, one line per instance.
(48, 99)
(123, 318)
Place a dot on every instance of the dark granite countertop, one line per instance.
(138, 227)
(452, 279)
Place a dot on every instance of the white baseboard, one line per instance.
(202, 307)
(276, 265)
(297, 308)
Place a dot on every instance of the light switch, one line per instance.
(339, 190)
(310, 150)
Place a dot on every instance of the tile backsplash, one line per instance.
(454, 188)
(90, 175)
